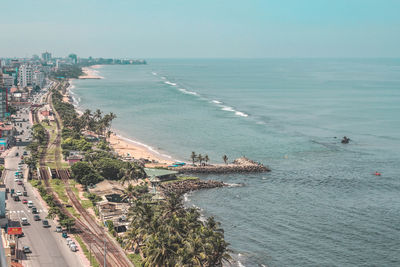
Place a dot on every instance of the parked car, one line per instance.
(17, 154)
(73, 248)
(58, 229)
(64, 234)
(25, 194)
(24, 201)
(12, 191)
(72, 243)
(36, 217)
(25, 153)
(68, 240)
(20, 182)
(26, 249)
(16, 198)
(45, 223)
(19, 193)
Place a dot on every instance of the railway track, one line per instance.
(86, 227)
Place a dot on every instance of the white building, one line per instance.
(38, 78)
(25, 75)
(8, 80)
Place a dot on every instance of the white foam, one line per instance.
(240, 264)
(183, 90)
(226, 108)
(154, 73)
(216, 102)
(163, 78)
(170, 83)
(234, 185)
(241, 114)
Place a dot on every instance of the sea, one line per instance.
(321, 205)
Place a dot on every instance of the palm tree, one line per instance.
(193, 157)
(200, 158)
(133, 173)
(225, 158)
(129, 193)
(206, 158)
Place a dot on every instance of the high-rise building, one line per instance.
(38, 79)
(3, 98)
(25, 75)
(46, 56)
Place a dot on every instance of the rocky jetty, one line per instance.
(182, 187)
(240, 165)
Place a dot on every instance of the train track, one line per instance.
(85, 226)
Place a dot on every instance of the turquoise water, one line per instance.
(321, 205)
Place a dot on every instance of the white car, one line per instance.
(17, 179)
(24, 221)
(30, 204)
(19, 193)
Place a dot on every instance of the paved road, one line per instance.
(48, 247)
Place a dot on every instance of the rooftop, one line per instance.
(158, 172)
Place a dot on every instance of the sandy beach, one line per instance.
(91, 72)
(126, 148)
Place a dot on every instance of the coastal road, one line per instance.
(48, 247)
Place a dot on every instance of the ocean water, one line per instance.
(321, 205)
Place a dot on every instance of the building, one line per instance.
(161, 174)
(25, 75)
(46, 56)
(38, 79)
(3, 99)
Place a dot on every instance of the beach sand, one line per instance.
(125, 148)
(91, 73)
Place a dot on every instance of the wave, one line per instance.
(183, 90)
(154, 73)
(237, 113)
(170, 83)
(163, 78)
(216, 102)
(235, 185)
(242, 114)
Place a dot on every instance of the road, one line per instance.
(48, 247)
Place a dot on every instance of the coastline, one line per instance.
(91, 72)
(123, 145)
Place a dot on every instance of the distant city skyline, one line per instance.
(201, 29)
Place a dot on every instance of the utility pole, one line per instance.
(105, 252)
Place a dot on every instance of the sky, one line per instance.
(201, 28)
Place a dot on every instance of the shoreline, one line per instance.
(127, 146)
(91, 72)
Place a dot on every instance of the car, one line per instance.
(24, 221)
(34, 210)
(25, 153)
(17, 154)
(58, 229)
(64, 234)
(16, 198)
(30, 204)
(24, 201)
(19, 193)
(22, 157)
(73, 248)
(26, 249)
(45, 223)
(25, 194)
(20, 182)
(68, 240)
(36, 217)
(17, 179)
(21, 235)
(72, 243)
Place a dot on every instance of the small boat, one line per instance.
(377, 174)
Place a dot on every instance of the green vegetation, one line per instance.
(93, 261)
(59, 188)
(85, 174)
(170, 235)
(67, 72)
(135, 259)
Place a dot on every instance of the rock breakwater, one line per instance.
(182, 187)
(240, 165)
